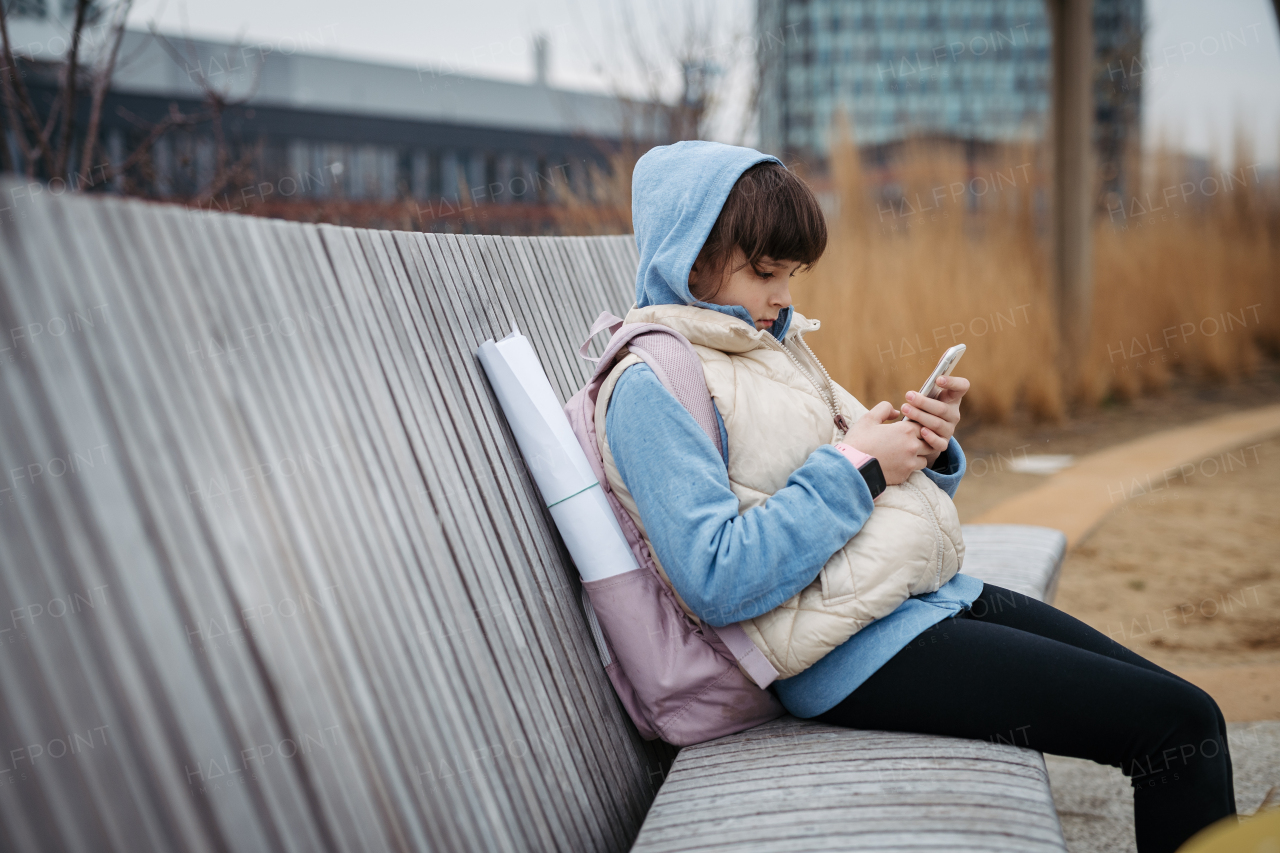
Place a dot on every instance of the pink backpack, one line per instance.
(677, 677)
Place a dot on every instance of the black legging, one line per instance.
(1015, 670)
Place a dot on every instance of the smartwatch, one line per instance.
(868, 467)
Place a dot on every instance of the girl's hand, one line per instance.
(896, 446)
(937, 418)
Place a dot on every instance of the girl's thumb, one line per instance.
(881, 412)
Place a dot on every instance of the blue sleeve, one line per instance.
(727, 567)
(947, 469)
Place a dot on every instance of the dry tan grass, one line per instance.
(1191, 286)
(899, 283)
(902, 281)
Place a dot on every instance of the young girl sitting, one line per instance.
(845, 581)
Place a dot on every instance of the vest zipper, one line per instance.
(837, 417)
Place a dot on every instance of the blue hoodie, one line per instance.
(676, 194)
(728, 566)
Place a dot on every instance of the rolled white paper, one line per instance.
(560, 468)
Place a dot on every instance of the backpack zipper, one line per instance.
(838, 418)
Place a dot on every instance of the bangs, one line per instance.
(770, 213)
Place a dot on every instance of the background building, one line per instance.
(304, 126)
(976, 71)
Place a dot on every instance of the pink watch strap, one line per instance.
(854, 455)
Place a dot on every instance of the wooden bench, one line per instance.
(276, 579)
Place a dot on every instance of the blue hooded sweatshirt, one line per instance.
(728, 566)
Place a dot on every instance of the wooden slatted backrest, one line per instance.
(274, 576)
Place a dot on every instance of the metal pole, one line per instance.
(1073, 180)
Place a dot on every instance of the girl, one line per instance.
(742, 536)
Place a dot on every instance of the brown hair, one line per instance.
(769, 213)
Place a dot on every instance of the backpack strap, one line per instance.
(671, 358)
(748, 655)
(676, 364)
(606, 320)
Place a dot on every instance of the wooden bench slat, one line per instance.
(569, 715)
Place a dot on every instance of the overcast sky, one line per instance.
(1210, 65)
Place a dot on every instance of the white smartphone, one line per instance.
(946, 364)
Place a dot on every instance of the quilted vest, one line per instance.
(770, 396)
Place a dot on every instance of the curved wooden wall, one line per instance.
(272, 576)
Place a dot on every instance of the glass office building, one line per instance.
(974, 70)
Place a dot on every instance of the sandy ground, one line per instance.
(1188, 577)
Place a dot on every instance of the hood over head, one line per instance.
(677, 192)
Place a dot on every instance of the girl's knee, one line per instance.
(1208, 706)
(1196, 723)
(1178, 734)
(1202, 709)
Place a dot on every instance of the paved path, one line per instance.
(1077, 499)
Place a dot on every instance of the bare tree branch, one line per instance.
(217, 102)
(96, 76)
(18, 100)
(760, 67)
(174, 119)
(70, 88)
(51, 121)
(210, 93)
(239, 170)
(102, 83)
(29, 154)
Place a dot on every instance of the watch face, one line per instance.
(871, 472)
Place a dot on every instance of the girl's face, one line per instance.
(764, 290)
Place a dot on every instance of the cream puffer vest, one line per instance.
(774, 402)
